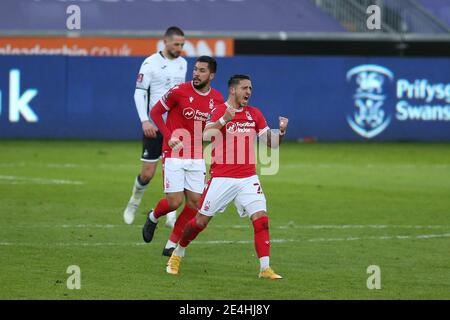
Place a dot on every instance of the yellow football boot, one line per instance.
(268, 273)
(173, 265)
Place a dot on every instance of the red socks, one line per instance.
(162, 208)
(185, 216)
(262, 238)
(260, 226)
(191, 230)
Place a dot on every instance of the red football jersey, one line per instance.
(187, 112)
(233, 153)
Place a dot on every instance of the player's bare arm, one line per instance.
(149, 129)
(273, 138)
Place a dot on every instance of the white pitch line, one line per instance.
(363, 226)
(343, 226)
(71, 244)
(64, 165)
(395, 237)
(66, 226)
(368, 165)
(289, 165)
(215, 242)
(236, 226)
(19, 180)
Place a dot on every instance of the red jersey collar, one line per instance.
(237, 110)
(199, 92)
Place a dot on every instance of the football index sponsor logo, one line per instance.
(188, 113)
(369, 119)
(240, 127)
(197, 115)
(231, 127)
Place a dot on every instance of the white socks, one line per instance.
(170, 244)
(138, 190)
(264, 263)
(179, 251)
(152, 217)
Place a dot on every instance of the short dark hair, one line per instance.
(235, 79)
(173, 31)
(212, 63)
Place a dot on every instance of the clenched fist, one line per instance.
(283, 124)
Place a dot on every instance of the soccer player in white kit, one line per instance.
(234, 126)
(188, 106)
(158, 73)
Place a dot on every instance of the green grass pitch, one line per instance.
(335, 210)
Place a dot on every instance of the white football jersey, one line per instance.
(158, 74)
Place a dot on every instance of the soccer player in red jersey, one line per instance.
(188, 106)
(233, 128)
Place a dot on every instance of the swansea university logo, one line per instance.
(369, 119)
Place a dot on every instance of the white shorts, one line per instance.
(180, 174)
(246, 193)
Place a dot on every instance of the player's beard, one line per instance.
(241, 102)
(201, 85)
(173, 54)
